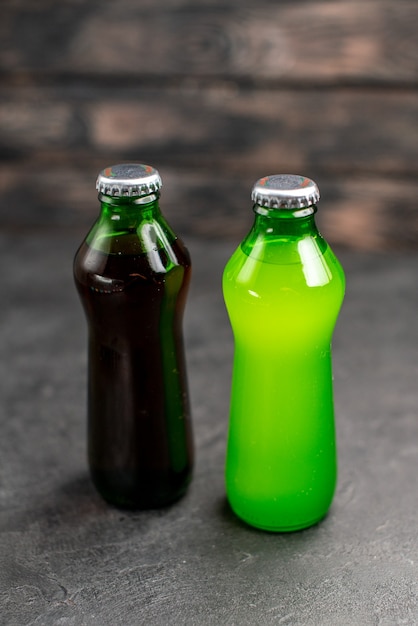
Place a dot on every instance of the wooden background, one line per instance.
(214, 94)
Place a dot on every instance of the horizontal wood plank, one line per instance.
(309, 42)
(373, 213)
(259, 131)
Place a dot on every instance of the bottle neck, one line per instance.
(126, 211)
(276, 234)
(130, 225)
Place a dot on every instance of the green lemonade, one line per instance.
(283, 291)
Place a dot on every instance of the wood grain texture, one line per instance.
(357, 212)
(300, 41)
(338, 130)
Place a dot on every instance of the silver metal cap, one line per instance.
(129, 179)
(285, 191)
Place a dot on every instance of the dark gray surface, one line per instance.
(69, 559)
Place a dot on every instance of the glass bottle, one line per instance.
(132, 274)
(283, 289)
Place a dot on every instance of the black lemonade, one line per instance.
(132, 274)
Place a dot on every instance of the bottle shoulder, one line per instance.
(301, 264)
(271, 301)
(93, 265)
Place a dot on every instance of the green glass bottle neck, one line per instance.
(276, 233)
(130, 225)
(126, 211)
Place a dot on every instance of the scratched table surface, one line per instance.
(68, 558)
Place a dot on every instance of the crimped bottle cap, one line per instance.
(285, 191)
(129, 179)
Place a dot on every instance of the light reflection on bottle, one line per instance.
(151, 234)
(314, 266)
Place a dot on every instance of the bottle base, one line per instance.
(272, 527)
(125, 490)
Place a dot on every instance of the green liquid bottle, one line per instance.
(132, 274)
(283, 289)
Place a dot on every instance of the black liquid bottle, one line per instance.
(132, 274)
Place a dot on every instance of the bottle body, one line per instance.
(283, 289)
(132, 275)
